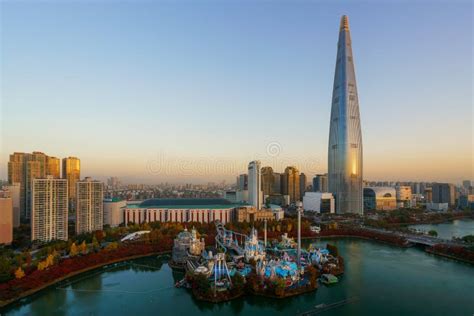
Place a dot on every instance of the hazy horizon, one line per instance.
(191, 92)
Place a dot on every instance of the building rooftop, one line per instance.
(196, 203)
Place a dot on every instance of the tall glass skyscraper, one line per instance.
(345, 138)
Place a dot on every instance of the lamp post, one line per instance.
(299, 209)
(265, 234)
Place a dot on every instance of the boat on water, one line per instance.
(329, 279)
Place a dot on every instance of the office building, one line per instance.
(345, 137)
(72, 173)
(255, 184)
(114, 211)
(49, 211)
(89, 206)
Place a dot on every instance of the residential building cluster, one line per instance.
(44, 198)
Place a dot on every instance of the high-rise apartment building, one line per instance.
(242, 184)
(53, 167)
(443, 193)
(14, 193)
(320, 183)
(255, 184)
(303, 184)
(345, 137)
(23, 168)
(6, 218)
(276, 183)
(72, 173)
(49, 211)
(293, 183)
(267, 180)
(466, 184)
(89, 206)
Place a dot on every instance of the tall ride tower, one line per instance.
(345, 137)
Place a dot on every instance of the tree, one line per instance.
(111, 246)
(99, 235)
(73, 251)
(95, 244)
(83, 247)
(5, 269)
(433, 233)
(49, 260)
(468, 239)
(19, 273)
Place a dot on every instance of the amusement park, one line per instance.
(239, 264)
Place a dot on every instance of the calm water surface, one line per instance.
(386, 280)
(448, 230)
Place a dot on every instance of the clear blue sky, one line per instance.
(134, 88)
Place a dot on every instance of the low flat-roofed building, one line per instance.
(231, 196)
(251, 214)
(113, 211)
(181, 210)
(319, 202)
(440, 207)
(380, 199)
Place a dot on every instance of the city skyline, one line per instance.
(131, 127)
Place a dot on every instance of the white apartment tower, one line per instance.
(49, 209)
(89, 206)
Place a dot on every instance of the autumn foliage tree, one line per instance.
(73, 251)
(19, 273)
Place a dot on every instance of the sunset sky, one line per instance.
(193, 90)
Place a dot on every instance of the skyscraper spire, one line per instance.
(344, 23)
(345, 137)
